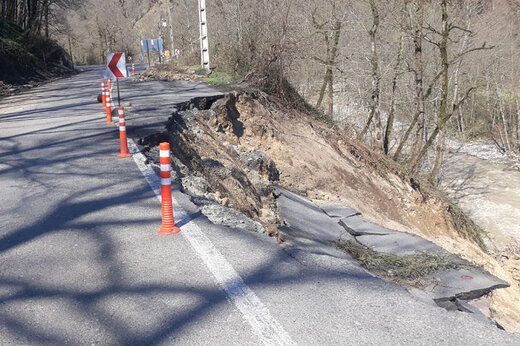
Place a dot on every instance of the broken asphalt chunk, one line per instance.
(306, 220)
(336, 210)
(400, 244)
(357, 225)
(464, 284)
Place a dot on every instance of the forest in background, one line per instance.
(28, 54)
(402, 75)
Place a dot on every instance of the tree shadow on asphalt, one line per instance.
(118, 327)
(68, 215)
(25, 115)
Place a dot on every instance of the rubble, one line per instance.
(309, 228)
(167, 72)
(240, 148)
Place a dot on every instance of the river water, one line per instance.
(486, 185)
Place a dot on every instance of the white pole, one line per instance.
(204, 46)
(172, 47)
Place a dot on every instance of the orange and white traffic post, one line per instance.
(122, 134)
(109, 109)
(168, 222)
(109, 87)
(103, 95)
(133, 70)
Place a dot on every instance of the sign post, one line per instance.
(154, 44)
(116, 67)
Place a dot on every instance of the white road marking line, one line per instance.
(269, 330)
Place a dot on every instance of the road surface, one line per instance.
(81, 261)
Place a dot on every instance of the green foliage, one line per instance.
(9, 31)
(28, 57)
(219, 78)
(15, 60)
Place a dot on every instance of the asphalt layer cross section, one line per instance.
(81, 261)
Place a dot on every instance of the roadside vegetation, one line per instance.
(403, 270)
(25, 57)
(27, 53)
(218, 78)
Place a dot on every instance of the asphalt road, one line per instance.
(81, 262)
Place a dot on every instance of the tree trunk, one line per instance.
(391, 114)
(517, 125)
(506, 143)
(439, 155)
(406, 135)
(331, 95)
(11, 11)
(419, 99)
(460, 122)
(32, 15)
(419, 78)
(323, 88)
(46, 9)
(443, 114)
(333, 55)
(330, 61)
(375, 111)
(3, 9)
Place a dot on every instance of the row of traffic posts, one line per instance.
(168, 222)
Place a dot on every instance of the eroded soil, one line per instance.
(235, 149)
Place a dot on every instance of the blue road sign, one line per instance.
(152, 45)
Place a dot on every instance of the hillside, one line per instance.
(27, 58)
(235, 150)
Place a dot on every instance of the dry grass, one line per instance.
(404, 270)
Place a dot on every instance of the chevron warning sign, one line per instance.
(116, 65)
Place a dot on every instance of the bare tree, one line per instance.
(447, 107)
(330, 30)
(375, 109)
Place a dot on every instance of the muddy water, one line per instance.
(487, 187)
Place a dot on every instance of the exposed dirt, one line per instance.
(167, 72)
(235, 148)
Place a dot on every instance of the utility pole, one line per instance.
(204, 46)
(172, 47)
(162, 23)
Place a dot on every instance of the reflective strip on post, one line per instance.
(103, 95)
(109, 110)
(122, 134)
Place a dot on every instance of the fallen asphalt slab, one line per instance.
(81, 262)
(307, 225)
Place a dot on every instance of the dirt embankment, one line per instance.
(234, 149)
(27, 60)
